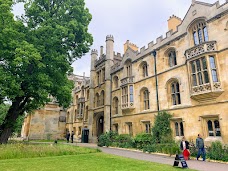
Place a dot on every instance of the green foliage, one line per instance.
(217, 151)
(36, 53)
(3, 111)
(125, 141)
(19, 150)
(142, 140)
(107, 138)
(161, 130)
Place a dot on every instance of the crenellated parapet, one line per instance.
(94, 51)
(109, 38)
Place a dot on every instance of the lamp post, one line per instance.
(154, 53)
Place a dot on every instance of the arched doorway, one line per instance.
(100, 125)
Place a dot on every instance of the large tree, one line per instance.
(36, 53)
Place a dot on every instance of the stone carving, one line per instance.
(201, 88)
(200, 49)
(127, 80)
(217, 86)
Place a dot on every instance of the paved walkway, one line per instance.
(192, 164)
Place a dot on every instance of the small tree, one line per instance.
(161, 129)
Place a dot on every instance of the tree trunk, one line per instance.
(7, 127)
(5, 134)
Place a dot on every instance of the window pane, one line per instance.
(217, 128)
(205, 34)
(206, 78)
(204, 63)
(200, 78)
(198, 66)
(181, 129)
(176, 129)
(174, 99)
(193, 67)
(214, 76)
(177, 87)
(200, 35)
(212, 62)
(194, 80)
(178, 98)
(195, 38)
(173, 88)
(131, 93)
(210, 128)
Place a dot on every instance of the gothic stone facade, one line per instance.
(184, 73)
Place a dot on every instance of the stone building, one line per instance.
(184, 73)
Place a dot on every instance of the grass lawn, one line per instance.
(82, 162)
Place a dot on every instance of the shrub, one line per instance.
(107, 139)
(217, 152)
(161, 129)
(125, 141)
(142, 140)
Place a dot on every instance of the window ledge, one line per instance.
(211, 139)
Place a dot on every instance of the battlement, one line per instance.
(117, 54)
(109, 38)
(94, 51)
(131, 45)
(173, 16)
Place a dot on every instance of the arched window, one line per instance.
(146, 100)
(145, 70)
(172, 58)
(102, 98)
(115, 81)
(86, 113)
(128, 66)
(213, 127)
(177, 128)
(97, 100)
(199, 32)
(175, 93)
(181, 129)
(210, 128)
(115, 105)
(87, 94)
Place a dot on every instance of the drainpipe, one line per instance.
(156, 77)
(111, 104)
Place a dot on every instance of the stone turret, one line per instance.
(109, 47)
(94, 55)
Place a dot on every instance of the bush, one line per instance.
(142, 140)
(107, 139)
(217, 152)
(125, 141)
(161, 129)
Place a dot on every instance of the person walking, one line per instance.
(68, 136)
(200, 147)
(184, 146)
(72, 136)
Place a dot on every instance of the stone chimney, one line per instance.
(101, 51)
(128, 44)
(173, 22)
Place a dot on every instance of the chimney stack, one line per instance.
(173, 22)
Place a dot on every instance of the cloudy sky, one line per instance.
(140, 21)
